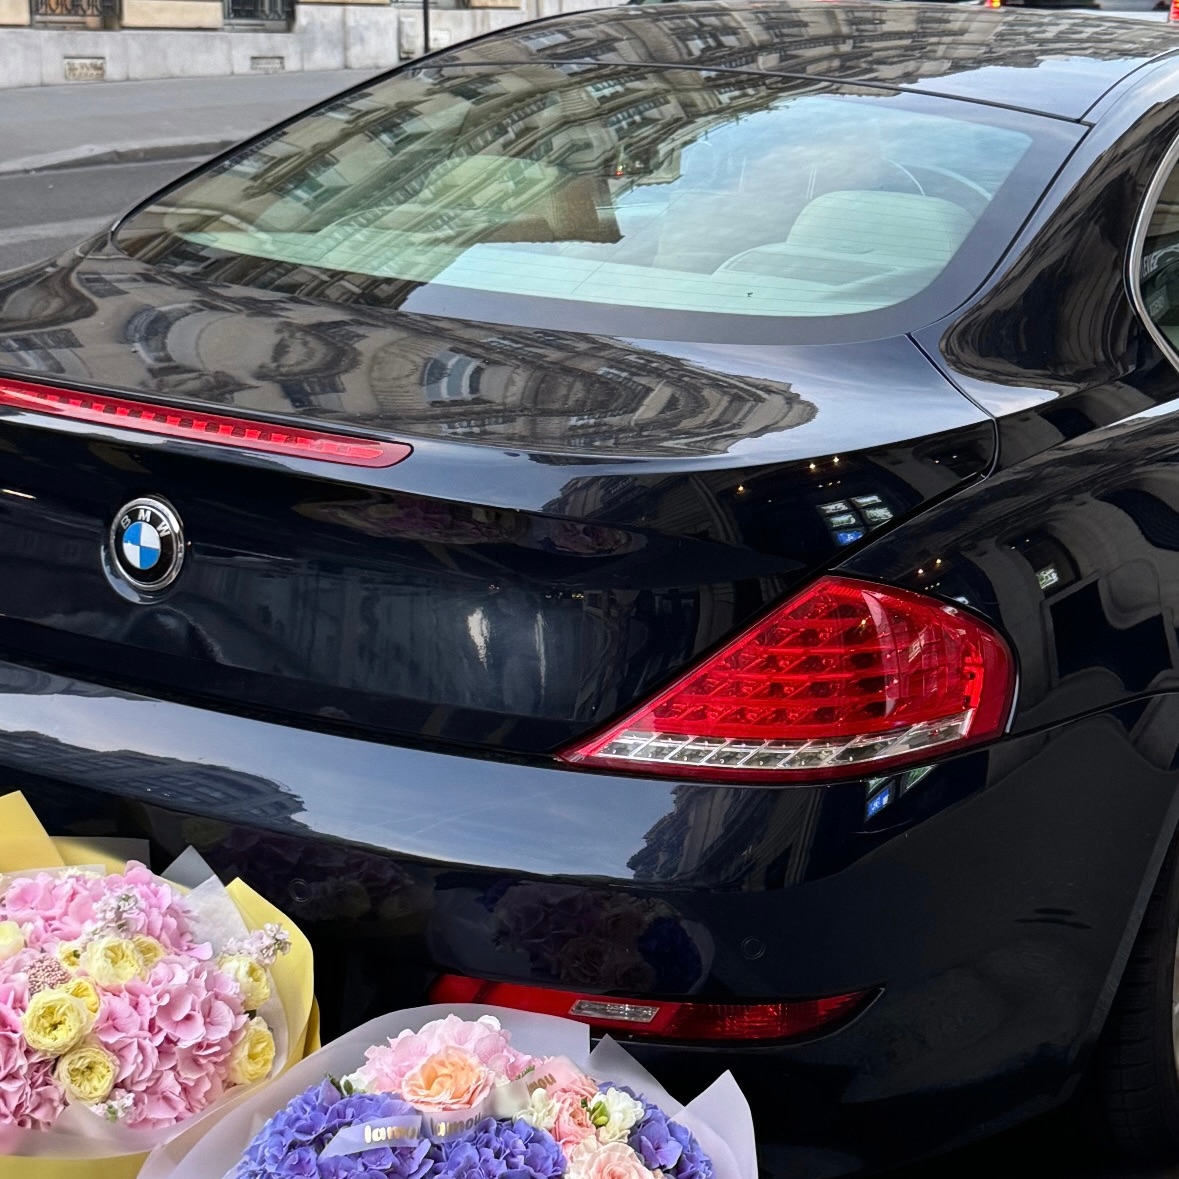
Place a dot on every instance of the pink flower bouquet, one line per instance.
(129, 1006)
(464, 1092)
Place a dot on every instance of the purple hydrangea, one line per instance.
(664, 1145)
(288, 1146)
(491, 1150)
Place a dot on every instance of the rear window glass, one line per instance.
(553, 194)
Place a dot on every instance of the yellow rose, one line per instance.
(12, 940)
(250, 978)
(69, 954)
(84, 990)
(87, 1072)
(111, 961)
(149, 950)
(253, 1055)
(54, 1021)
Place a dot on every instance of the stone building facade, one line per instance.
(43, 42)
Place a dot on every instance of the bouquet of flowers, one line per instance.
(129, 1006)
(472, 1093)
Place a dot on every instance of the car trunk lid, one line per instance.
(580, 515)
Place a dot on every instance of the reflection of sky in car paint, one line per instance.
(346, 788)
(833, 377)
(1023, 85)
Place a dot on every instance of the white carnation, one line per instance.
(614, 1115)
(541, 1110)
(357, 1082)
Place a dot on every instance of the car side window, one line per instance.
(1159, 272)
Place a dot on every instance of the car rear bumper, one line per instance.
(993, 902)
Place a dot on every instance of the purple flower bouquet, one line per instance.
(472, 1093)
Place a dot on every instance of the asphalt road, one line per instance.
(46, 205)
(43, 213)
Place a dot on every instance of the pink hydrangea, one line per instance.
(388, 1065)
(53, 908)
(18, 964)
(161, 912)
(29, 1096)
(198, 1006)
(127, 1028)
(172, 1035)
(49, 908)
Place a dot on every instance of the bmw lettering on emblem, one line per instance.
(147, 544)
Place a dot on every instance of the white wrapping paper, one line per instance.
(719, 1117)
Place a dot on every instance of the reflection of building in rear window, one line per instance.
(645, 188)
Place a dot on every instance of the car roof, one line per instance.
(1051, 62)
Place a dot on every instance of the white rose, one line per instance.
(614, 1114)
(12, 940)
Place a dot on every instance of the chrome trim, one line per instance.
(613, 1009)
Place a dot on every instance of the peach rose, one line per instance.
(448, 1080)
(572, 1123)
(615, 1160)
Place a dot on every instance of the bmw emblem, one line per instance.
(147, 544)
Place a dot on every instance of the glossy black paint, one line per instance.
(993, 899)
(974, 897)
(509, 594)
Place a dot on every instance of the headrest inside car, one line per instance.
(922, 230)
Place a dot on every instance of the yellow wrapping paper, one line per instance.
(25, 846)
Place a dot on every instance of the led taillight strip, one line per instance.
(196, 426)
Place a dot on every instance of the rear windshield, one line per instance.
(670, 203)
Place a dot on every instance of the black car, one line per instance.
(666, 515)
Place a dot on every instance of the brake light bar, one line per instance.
(678, 1019)
(196, 426)
(845, 678)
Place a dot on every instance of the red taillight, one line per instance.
(992, 3)
(846, 678)
(218, 429)
(1173, 11)
(662, 1018)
